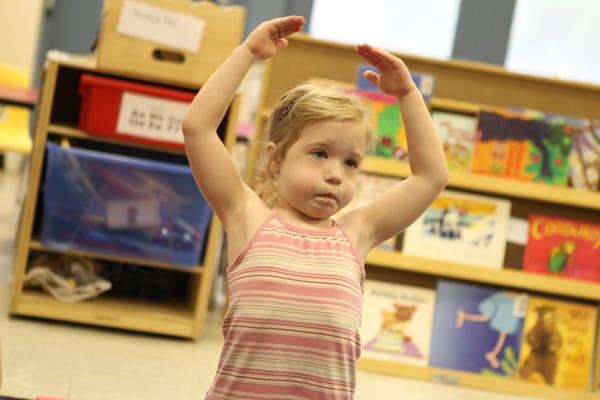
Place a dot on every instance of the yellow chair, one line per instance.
(14, 120)
(14, 76)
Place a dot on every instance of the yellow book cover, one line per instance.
(557, 346)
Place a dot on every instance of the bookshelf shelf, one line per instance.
(503, 277)
(465, 379)
(37, 245)
(172, 318)
(494, 185)
(75, 133)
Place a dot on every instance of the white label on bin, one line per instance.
(133, 214)
(151, 117)
(160, 25)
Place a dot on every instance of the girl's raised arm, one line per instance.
(213, 169)
(404, 202)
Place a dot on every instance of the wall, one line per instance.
(20, 23)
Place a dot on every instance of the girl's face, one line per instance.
(317, 177)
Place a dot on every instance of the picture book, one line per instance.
(596, 383)
(384, 118)
(563, 247)
(461, 228)
(477, 328)
(368, 188)
(397, 322)
(522, 145)
(457, 132)
(558, 343)
(584, 159)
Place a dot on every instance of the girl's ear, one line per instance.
(273, 161)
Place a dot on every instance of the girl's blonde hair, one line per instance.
(298, 108)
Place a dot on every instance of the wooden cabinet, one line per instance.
(462, 87)
(56, 122)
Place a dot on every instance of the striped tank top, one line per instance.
(292, 328)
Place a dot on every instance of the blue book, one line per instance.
(477, 328)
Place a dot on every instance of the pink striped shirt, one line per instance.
(292, 329)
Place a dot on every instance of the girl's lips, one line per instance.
(329, 196)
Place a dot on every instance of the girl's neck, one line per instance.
(297, 219)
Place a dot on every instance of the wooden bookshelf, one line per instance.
(57, 120)
(461, 87)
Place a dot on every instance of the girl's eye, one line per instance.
(319, 154)
(352, 163)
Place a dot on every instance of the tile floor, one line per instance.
(42, 358)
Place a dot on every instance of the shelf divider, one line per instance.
(504, 277)
(38, 245)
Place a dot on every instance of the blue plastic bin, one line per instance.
(123, 205)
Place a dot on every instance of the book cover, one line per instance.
(457, 132)
(596, 384)
(397, 322)
(384, 118)
(461, 228)
(558, 343)
(584, 159)
(477, 328)
(522, 145)
(563, 247)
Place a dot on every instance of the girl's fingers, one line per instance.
(372, 77)
(380, 59)
(288, 25)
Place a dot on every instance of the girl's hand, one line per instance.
(394, 77)
(270, 36)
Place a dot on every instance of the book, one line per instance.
(397, 322)
(461, 228)
(558, 343)
(584, 159)
(384, 118)
(457, 132)
(522, 145)
(563, 247)
(477, 328)
(596, 384)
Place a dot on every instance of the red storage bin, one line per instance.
(133, 111)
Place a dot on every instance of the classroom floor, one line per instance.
(44, 358)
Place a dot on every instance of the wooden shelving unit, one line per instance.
(462, 87)
(57, 120)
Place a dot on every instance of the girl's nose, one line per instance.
(334, 180)
(333, 177)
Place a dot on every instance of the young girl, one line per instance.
(295, 274)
